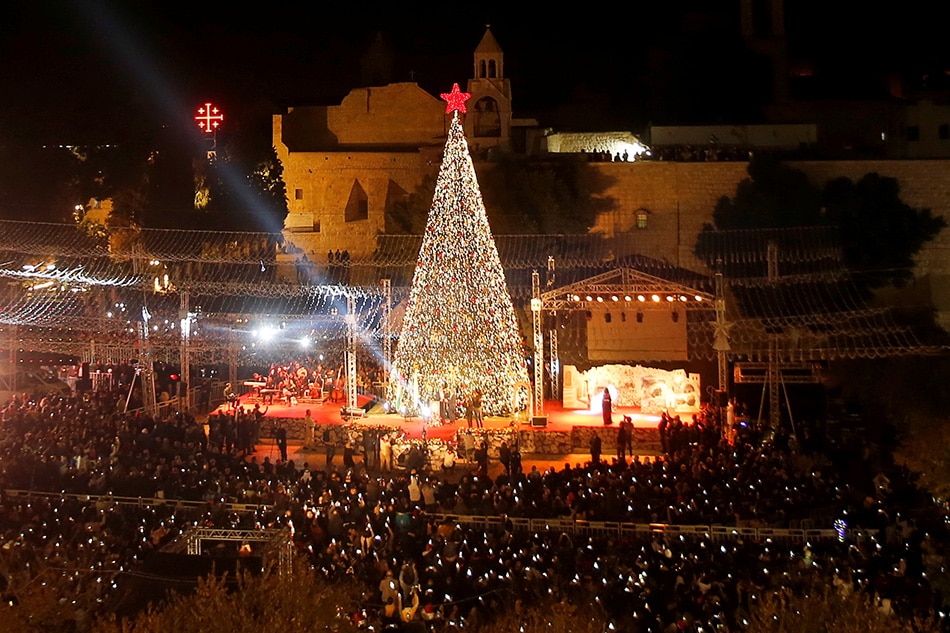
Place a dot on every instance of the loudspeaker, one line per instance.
(721, 399)
(539, 420)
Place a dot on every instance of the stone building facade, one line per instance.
(669, 202)
(349, 167)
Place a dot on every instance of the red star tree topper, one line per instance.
(455, 100)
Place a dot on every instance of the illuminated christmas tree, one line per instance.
(459, 331)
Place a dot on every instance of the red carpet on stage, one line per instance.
(558, 418)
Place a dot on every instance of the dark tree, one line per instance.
(104, 169)
(551, 196)
(522, 196)
(172, 196)
(130, 204)
(773, 196)
(410, 217)
(174, 184)
(880, 233)
(244, 182)
(39, 184)
(242, 189)
(267, 179)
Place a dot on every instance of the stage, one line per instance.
(564, 430)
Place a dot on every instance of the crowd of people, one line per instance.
(422, 566)
(712, 152)
(292, 380)
(336, 270)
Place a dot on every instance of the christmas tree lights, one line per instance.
(459, 332)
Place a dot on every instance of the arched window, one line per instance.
(642, 216)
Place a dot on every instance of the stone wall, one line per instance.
(678, 196)
(400, 114)
(319, 186)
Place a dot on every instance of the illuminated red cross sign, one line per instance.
(209, 118)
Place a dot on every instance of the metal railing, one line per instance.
(491, 522)
(138, 502)
(616, 528)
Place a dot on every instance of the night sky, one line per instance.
(82, 71)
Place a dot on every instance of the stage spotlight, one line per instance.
(675, 316)
(614, 298)
(682, 297)
(656, 298)
(600, 299)
(641, 298)
(607, 317)
(639, 317)
(670, 298)
(698, 298)
(590, 298)
(304, 343)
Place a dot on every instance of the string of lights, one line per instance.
(791, 297)
(460, 331)
(67, 286)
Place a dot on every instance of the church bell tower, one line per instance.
(488, 123)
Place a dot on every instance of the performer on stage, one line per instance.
(443, 403)
(608, 408)
(477, 408)
(230, 397)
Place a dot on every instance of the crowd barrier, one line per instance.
(615, 528)
(491, 522)
(139, 502)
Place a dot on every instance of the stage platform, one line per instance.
(564, 431)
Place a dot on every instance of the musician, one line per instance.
(230, 397)
(289, 390)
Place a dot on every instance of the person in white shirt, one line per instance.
(310, 424)
(415, 492)
(448, 462)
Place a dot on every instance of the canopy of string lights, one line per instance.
(74, 292)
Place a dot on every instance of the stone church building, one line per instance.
(349, 167)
